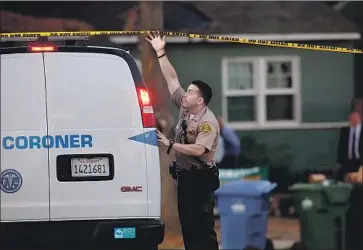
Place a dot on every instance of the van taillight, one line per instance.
(48, 48)
(147, 111)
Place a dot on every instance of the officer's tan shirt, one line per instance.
(202, 129)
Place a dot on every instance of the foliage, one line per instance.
(255, 153)
(278, 159)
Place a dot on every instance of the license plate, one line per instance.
(92, 167)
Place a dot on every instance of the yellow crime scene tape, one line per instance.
(188, 35)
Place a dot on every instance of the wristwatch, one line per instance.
(164, 54)
(171, 143)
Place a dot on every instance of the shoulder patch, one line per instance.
(206, 128)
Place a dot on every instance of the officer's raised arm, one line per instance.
(169, 73)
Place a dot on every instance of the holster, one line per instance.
(211, 177)
(173, 170)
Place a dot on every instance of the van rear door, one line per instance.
(24, 178)
(93, 110)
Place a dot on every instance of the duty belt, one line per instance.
(208, 175)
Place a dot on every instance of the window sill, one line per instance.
(252, 126)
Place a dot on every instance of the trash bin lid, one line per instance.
(336, 193)
(237, 174)
(319, 187)
(246, 187)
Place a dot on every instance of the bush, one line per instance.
(277, 158)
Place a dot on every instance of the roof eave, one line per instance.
(340, 5)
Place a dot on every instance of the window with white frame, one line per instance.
(262, 91)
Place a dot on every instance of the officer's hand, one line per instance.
(157, 42)
(162, 138)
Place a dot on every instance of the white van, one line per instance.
(79, 155)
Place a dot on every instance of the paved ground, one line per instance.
(283, 233)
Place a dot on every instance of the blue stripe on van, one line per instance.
(149, 137)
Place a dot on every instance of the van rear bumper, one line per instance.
(81, 233)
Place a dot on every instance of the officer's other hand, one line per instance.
(162, 138)
(156, 41)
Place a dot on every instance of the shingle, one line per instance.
(274, 17)
(14, 22)
(101, 15)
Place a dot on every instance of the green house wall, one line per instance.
(327, 86)
(326, 77)
(353, 12)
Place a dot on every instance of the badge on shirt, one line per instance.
(206, 128)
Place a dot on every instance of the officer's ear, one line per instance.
(200, 100)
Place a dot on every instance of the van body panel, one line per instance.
(78, 102)
(153, 173)
(24, 193)
(95, 95)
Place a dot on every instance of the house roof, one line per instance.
(267, 20)
(112, 15)
(26, 23)
(270, 17)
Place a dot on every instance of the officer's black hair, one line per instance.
(204, 89)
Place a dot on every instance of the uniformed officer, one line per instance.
(196, 139)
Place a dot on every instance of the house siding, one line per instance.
(298, 149)
(327, 86)
(327, 82)
(353, 12)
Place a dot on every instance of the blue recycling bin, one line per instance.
(244, 209)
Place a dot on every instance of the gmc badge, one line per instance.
(128, 189)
